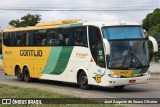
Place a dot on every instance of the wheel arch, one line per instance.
(82, 70)
(25, 66)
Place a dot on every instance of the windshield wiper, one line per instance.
(136, 59)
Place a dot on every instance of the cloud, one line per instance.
(137, 16)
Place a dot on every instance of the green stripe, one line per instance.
(139, 71)
(65, 25)
(143, 70)
(58, 60)
(62, 60)
(52, 60)
(71, 25)
(76, 24)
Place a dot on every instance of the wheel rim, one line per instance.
(26, 75)
(18, 74)
(84, 80)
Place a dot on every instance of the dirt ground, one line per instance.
(1, 65)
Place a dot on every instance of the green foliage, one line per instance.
(145, 23)
(155, 32)
(27, 20)
(152, 25)
(151, 20)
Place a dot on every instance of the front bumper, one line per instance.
(125, 81)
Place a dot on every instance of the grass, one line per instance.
(18, 92)
(155, 73)
(7, 91)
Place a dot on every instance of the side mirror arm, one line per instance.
(106, 46)
(154, 42)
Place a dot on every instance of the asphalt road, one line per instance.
(154, 67)
(149, 90)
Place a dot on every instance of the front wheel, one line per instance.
(83, 81)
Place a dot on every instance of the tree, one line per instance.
(152, 25)
(27, 20)
(151, 20)
(155, 32)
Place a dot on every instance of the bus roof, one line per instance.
(69, 23)
(111, 23)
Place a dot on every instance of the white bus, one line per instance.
(103, 53)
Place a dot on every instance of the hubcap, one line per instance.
(84, 80)
(18, 74)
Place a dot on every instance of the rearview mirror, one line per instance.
(106, 46)
(154, 42)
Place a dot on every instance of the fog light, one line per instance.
(114, 75)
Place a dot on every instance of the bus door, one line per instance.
(97, 51)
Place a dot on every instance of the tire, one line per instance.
(83, 81)
(119, 87)
(19, 75)
(27, 77)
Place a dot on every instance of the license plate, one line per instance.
(132, 81)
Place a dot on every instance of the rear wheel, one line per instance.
(19, 74)
(27, 77)
(83, 81)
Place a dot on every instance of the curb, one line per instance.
(155, 77)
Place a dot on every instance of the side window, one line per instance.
(26, 38)
(42, 37)
(52, 37)
(19, 39)
(32, 38)
(96, 46)
(6, 39)
(12, 39)
(37, 38)
(80, 36)
(64, 37)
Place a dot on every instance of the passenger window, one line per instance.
(32, 38)
(26, 38)
(42, 37)
(52, 37)
(80, 36)
(6, 39)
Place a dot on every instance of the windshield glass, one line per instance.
(128, 54)
(122, 32)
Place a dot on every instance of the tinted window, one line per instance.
(122, 32)
(80, 36)
(48, 37)
(96, 46)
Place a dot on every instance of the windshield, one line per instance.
(123, 32)
(128, 54)
(129, 49)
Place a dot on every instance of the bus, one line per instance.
(101, 53)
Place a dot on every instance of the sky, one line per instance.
(51, 10)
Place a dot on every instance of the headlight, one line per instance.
(147, 73)
(114, 75)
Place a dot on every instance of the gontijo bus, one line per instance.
(103, 53)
